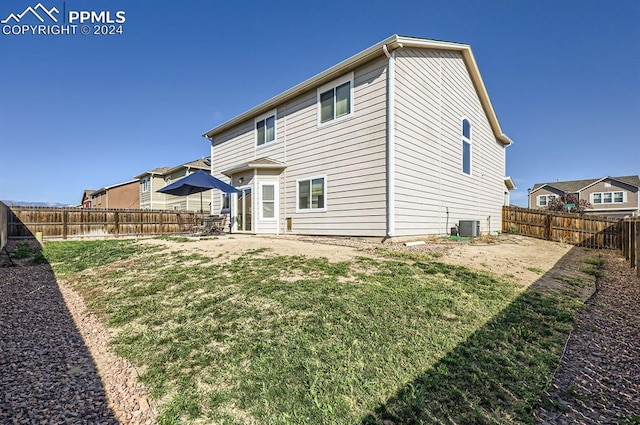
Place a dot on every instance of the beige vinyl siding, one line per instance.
(158, 199)
(350, 153)
(145, 197)
(433, 93)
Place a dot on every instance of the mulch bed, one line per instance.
(598, 381)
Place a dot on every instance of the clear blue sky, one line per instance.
(82, 112)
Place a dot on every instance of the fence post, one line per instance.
(65, 224)
(116, 219)
(547, 230)
(633, 242)
(637, 247)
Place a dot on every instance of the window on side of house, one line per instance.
(608, 197)
(544, 200)
(266, 128)
(618, 197)
(145, 184)
(335, 100)
(311, 194)
(466, 146)
(268, 201)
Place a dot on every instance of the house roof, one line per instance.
(574, 186)
(200, 164)
(377, 50)
(260, 163)
(86, 194)
(159, 171)
(104, 189)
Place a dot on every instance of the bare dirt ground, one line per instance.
(122, 399)
(516, 257)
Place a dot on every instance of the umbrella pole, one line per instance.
(200, 202)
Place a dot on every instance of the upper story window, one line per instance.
(598, 198)
(466, 146)
(266, 128)
(544, 200)
(145, 184)
(335, 100)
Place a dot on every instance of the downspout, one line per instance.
(391, 140)
(151, 191)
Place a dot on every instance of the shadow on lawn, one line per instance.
(500, 372)
(47, 374)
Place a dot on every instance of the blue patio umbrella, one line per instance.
(197, 182)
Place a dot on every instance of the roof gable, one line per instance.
(575, 186)
(367, 55)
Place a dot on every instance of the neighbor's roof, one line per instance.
(391, 43)
(160, 171)
(203, 163)
(104, 189)
(577, 185)
(200, 164)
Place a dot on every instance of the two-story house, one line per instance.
(120, 195)
(608, 196)
(399, 140)
(151, 181)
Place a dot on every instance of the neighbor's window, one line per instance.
(334, 100)
(311, 194)
(268, 201)
(466, 146)
(266, 130)
(145, 184)
(608, 197)
(618, 197)
(544, 200)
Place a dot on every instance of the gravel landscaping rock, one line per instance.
(55, 363)
(598, 381)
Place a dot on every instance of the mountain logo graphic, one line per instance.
(34, 11)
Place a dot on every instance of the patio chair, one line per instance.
(214, 225)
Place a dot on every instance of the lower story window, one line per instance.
(268, 201)
(311, 194)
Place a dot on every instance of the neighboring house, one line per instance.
(399, 140)
(608, 196)
(151, 181)
(123, 195)
(86, 198)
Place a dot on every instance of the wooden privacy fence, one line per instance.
(3, 224)
(67, 223)
(582, 230)
(576, 229)
(631, 242)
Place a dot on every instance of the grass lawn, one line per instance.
(272, 339)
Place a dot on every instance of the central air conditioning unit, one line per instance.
(469, 228)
